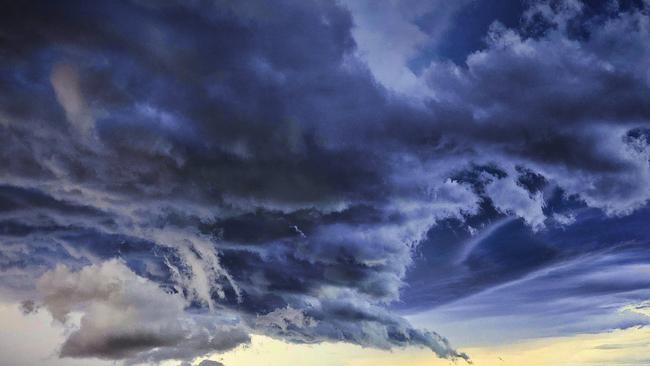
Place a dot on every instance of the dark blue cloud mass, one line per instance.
(313, 170)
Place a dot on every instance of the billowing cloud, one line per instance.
(124, 315)
(565, 102)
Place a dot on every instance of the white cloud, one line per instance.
(513, 199)
(124, 315)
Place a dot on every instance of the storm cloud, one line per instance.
(255, 169)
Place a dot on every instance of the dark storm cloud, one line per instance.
(557, 102)
(201, 127)
(240, 163)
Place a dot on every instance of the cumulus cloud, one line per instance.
(539, 100)
(118, 320)
(388, 38)
(510, 198)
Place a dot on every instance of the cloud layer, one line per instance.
(246, 169)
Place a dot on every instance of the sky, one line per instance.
(349, 182)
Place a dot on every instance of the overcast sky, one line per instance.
(318, 182)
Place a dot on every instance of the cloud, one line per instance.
(210, 363)
(509, 197)
(537, 100)
(65, 81)
(283, 318)
(388, 37)
(640, 308)
(119, 322)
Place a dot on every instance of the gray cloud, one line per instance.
(557, 103)
(210, 363)
(119, 322)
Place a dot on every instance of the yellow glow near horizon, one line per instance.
(620, 347)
